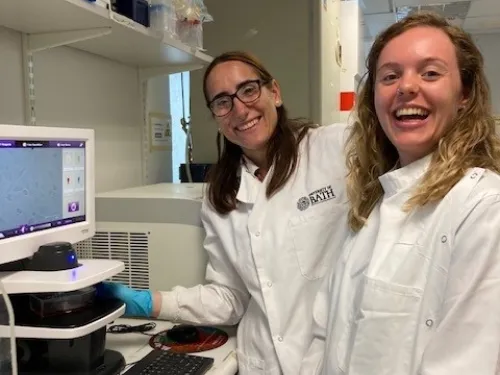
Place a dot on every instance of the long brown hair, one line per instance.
(282, 150)
(470, 141)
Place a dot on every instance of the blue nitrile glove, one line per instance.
(138, 303)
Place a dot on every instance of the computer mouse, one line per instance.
(183, 334)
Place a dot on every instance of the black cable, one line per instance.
(127, 328)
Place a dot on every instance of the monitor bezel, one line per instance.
(20, 247)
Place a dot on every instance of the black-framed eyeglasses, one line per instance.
(247, 93)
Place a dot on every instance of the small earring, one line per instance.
(219, 130)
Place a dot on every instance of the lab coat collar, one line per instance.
(249, 184)
(401, 178)
(249, 165)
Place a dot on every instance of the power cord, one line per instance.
(127, 328)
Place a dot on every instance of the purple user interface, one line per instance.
(42, 185)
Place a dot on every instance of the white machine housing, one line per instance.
(89, 273)
(155, 230)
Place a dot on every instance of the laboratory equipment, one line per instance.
(47, 200)
(136, 10)
(155, 230)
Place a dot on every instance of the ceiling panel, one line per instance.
(475, 16)
(378, 22)
(399, 3)
(455, 12)
(375, 6)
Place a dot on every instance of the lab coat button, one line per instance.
(474, 175)
(257, 234)
(269, 284)
(444, 239)
(279, 338)
(429, 323)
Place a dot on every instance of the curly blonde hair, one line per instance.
(470, 141)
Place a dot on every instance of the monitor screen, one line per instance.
(42, 185)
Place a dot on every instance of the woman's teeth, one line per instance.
(248, 125)
(411, 113)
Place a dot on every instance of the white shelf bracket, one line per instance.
(29, 83)
(143, 94)
(43, 41)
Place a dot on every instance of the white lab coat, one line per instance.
(267, 258)
(419, 293)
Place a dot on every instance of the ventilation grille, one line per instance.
(455, 12)
(130, 248)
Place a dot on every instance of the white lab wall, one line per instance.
(490, 48)
(285, 36)
(159, 162)
(11, 78)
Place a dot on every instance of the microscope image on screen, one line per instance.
(42, 185)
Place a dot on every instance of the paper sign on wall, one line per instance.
(160, 135)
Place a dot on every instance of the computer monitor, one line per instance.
(46, 188)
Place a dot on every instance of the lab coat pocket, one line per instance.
(314, 237)
(249, 366)
(385, 327)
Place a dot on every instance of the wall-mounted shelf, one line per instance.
(95, 29)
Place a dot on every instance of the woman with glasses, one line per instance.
(274, 215)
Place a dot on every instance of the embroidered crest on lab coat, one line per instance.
(303, 203)
(318, 196)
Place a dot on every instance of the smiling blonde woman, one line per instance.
(416, 290)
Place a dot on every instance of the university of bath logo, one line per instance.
(318, 196)
(303, 203)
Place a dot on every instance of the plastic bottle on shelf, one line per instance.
(163, 17)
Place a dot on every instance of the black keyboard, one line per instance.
(161, 362)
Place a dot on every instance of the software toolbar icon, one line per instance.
(73, 207)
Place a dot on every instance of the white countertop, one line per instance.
(135, 346)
